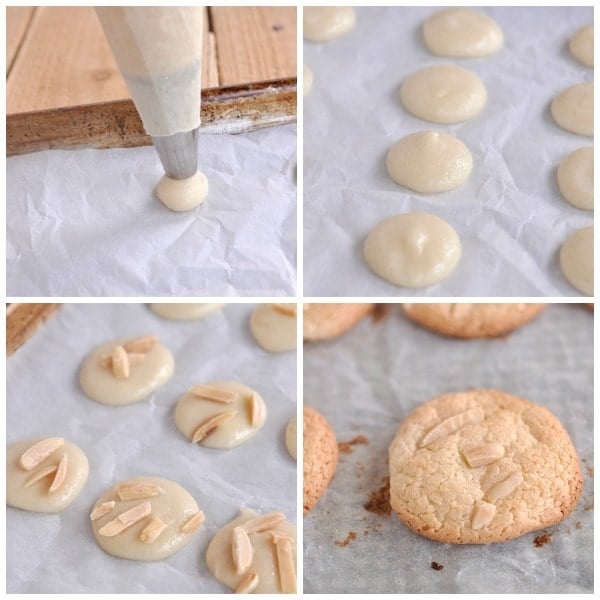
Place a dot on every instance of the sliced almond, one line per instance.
(255, 409)
(286, 566)
(263, 523)
(120, 363)
(452, 424)
(61, 473)
(101, 509)
(504, 488)
(135, 359)
(152, 530)
(138, 490)
(210, 425)
(208, 392)
(126, 519)
(193, 523)
(40, 474)
(484, 454)
(241, 550)
(248, 584)
(39, 452)
(286, 309)
(142, 344)
(483, 513)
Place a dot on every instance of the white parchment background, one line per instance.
(369, 380)
(58, 553)
(86, 222)
(509, 215)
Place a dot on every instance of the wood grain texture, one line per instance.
(19, 18)
(23, 320)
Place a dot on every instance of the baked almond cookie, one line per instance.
(463, 320)
(326, 321)
(482, 466)
(320, 456)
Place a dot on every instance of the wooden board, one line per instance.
(58, 62)
(23, 320)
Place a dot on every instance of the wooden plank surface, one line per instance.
(19, 18)
(23, 320)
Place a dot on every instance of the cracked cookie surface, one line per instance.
(329, 320)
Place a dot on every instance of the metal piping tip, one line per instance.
(178, 153)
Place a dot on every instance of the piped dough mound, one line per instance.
(273, 326)
(320, 456)
(443, 94)
(577, 260)
(329, 320)
(482, 466)
(581, 45)
(575, 178)
(573, 109)
(463, 33)
(325, 23)
(464, 320)
(413, 250)
(181, 311)
(429, 162)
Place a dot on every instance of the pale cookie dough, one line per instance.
(291, 438)
(274, 327)
(325, 23)
(44, 474)
(255, 554)
(468, 321)
(462, 32)
(323, 321)
(413, 250)
(429, 162)
(573, 109)
(308, 79)
(481, 467)
(183, 311)
(575, 177)
(577, 260)
(182, 194)
(220, 414)
(126, 370)
(145, 518)
(581, 45)
(443, 94)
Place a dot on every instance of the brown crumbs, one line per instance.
(379, 500)
(346, 447)
(436, 566)
(578, 525)
(542, 540)
(380, 312)
(590, 471)
(351, 536)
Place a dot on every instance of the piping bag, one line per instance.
(159, 53)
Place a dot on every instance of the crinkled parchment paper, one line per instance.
(58, 553)
(86, 222)
(369, 380)
(509, 215)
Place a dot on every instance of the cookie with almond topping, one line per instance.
(482, 466)
(325, 321)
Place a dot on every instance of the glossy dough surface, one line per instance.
(185, 311)
(577, 260)
(273, 327)
(573, 109)
(575, 178)
(325, 23)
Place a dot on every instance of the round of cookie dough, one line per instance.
(320, 457)
(325, 23)
(429, 162)
(224, 423)
(462, 32)
(99, 382)
(308, 79)
(329, 320)
(264, 562)
(291, 441)
(185, 311)
(162, 526)
(481, 467)
(413, 250)
(577, 260)
(575, 177)
(48, 483)
(443, 94)
(274, 327)
(581, 45)
(573, 109)
(464, 320)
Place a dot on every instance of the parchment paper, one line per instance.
(86, 222)
(58, 553)
(509, 215)
(368, 381)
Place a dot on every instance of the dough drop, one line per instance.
(443, 94)
(183, 311)
(325, 23)
(274, 327)
(577, 260)
(413, 250)
(573, 109)
(291, 437)
(462, 32)
(429, 162)
(182, 194)
(575, 178)
(308, 79)
(581, 46)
